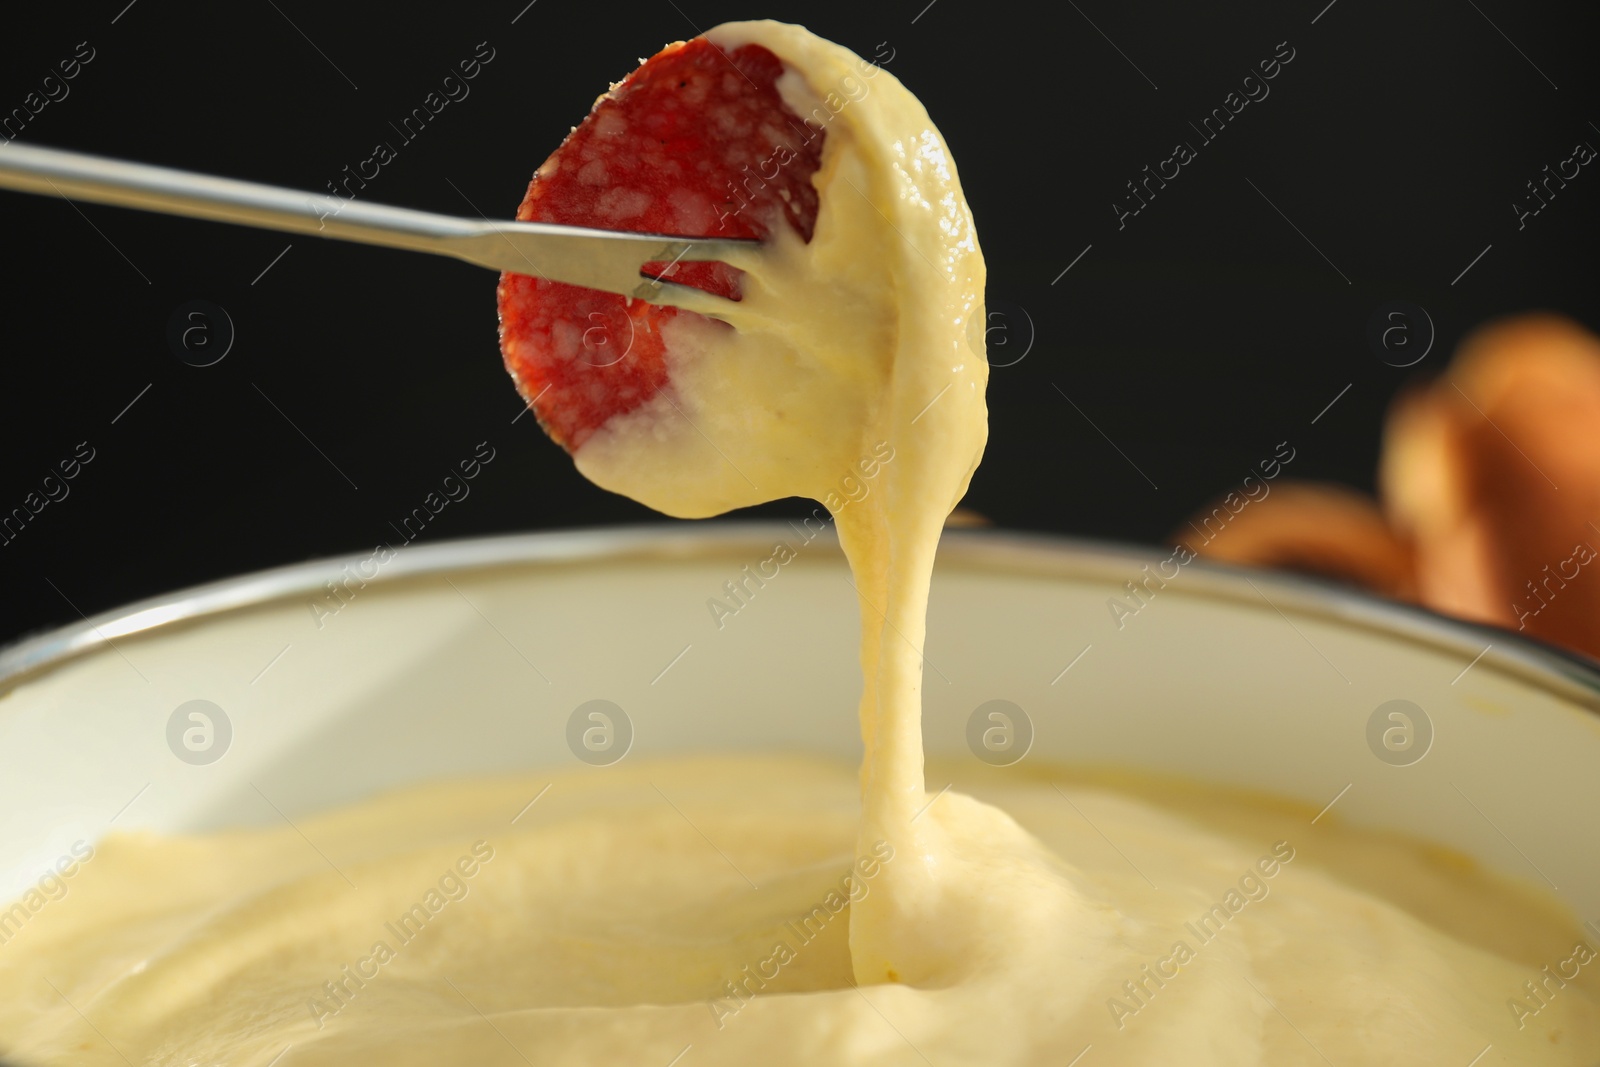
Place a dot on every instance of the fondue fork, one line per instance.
(608, 260)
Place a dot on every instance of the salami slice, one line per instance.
(697, 142)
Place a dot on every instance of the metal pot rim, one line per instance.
(1565, 674)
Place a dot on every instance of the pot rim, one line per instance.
(1563, 673)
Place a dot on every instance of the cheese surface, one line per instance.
(641, 909)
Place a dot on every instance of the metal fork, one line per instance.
(608, 260)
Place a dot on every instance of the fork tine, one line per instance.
(686, 298)
(609, 260)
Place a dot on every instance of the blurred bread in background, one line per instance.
(1489, 492)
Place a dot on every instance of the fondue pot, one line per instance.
(256, 700)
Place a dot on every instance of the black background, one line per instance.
(1207, 330)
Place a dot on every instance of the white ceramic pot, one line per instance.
(472, 656)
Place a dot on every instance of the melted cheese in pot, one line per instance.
(780, 911)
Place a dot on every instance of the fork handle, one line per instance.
(599, 259)
(34, 169)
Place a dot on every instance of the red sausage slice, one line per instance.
(697, 142)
